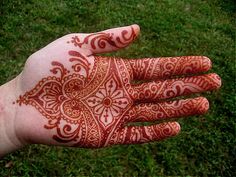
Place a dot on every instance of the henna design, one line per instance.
(90, 103)
(90, 108)
(149, 112)
(154, 91)
(97, 39)
(81, 63)
(144, 134)
(83, 107)
(109, 101)
(159, 68)
(58, 98)
(102, 39)
(146, 112)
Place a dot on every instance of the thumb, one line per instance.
(109, 40)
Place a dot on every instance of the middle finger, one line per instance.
(170, 88)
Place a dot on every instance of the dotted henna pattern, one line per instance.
(92, 109)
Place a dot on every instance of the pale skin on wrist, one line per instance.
(9, 140)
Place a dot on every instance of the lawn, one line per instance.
(206, 145)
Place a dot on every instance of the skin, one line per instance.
(67, 95)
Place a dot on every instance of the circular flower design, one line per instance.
(108, 102)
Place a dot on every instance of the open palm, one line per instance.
(76, 98)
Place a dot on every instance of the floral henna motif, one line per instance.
(57, 97)
(109, 101)
(83, 106)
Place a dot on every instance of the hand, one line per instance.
(70, 96)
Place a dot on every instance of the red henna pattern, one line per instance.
(81, 62)
(108, 101)
(89, 104)
(139, 134)
(102, 39)
(146, 112)
(159, 90)
(159, 68)
(83, 109)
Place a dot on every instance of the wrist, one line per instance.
(9, 138)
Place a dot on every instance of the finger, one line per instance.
(156, 68)
(108, 40)
(148, 112)
(144, 134)
(154, 91)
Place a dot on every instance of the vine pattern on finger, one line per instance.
(101, 40)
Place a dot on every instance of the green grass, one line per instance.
(206, 146)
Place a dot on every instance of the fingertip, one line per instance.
(217, 80)
(170, 129)
(176, 128)
(207, 63)
(136, 29)
(204, 105)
